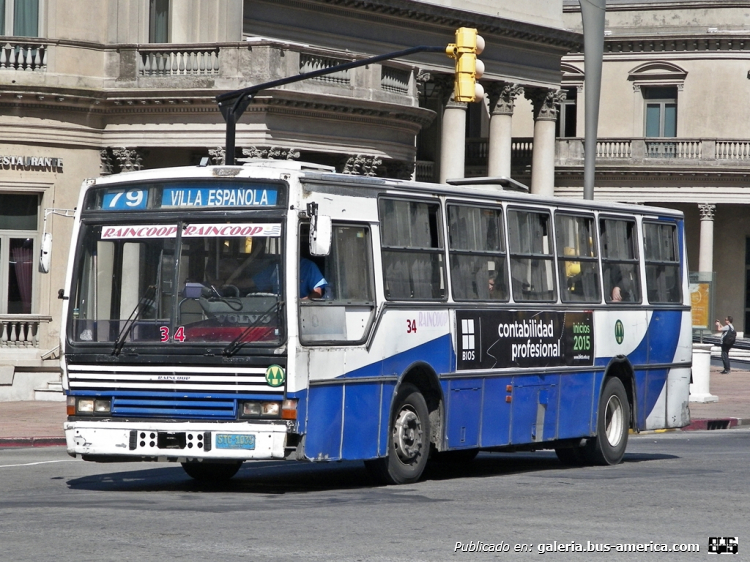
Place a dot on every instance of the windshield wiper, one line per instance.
(238, 342)
(144, 302)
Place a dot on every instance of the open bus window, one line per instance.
(345, 312)
(618, 243)
(477, 252)
(531, 258)
(412, 250)
(662, 263)
(578, 264)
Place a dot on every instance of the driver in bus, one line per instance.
(312, 284)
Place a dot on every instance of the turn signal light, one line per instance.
(289, 410)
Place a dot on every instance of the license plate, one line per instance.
(234, 441)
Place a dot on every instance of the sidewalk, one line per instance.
(40, 424)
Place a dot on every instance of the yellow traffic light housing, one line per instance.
(468, 68)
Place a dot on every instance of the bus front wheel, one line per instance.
(408, 441)
(211, 471)
(608, 447)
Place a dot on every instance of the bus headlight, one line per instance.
(85, 406)
(260, 409)
(93, 406)
(102, 406)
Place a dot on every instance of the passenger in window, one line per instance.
(622, 288)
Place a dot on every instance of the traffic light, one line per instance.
(468, 68)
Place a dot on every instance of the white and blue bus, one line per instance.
(278, 310)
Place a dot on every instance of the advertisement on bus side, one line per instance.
(524, 338)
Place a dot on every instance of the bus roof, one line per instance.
(496, 189)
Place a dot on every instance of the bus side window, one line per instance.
(477, 253)
(412, 250)
(578, 265)
(620, 263)
(531, 259)
(662, 263)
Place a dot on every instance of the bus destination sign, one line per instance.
(240, 196)
(519, 338)
(189, 196)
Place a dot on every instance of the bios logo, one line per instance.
(719, 545)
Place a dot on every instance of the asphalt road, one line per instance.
(673, 488)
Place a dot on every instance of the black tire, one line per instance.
(211, 471)
(612, 425)
(408, 440)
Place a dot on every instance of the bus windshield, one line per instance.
(179, 283)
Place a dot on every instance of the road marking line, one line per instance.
(35, 463)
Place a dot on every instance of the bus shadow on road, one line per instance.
(279, 477)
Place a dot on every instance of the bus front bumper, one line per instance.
(112, 440)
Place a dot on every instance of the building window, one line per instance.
(565, 126)
(158, 21)
(661, 111)
(19, 18)
(19, 220)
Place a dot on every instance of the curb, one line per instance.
(20, 442)
(725, 423)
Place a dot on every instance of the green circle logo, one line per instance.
(275, 376)
(619, 332)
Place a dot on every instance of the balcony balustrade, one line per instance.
(20, 331)
(178, 61)
(619, 151)
(30, 56)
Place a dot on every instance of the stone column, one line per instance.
(706, 255)
(452, 134)
(502, 102)
(545, 104)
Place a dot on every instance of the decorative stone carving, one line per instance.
(271, 153)
(105, 163)
(707, 211)
(130, 159)
(545, 102)
(502, 96)
(217, 155)
(362, 165)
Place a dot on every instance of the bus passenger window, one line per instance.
(412, 250)
(620, 264)
(477, 253)
(578, 265)
(662, 263)
(531, 259)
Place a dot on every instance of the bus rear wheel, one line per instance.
(408, 441)
(211, 471)
(613, 423)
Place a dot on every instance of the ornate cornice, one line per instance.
(310, 104)
(435, 15)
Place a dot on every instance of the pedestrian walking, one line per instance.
(728, 337)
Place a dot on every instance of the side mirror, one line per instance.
(46, 253)
(321, 231)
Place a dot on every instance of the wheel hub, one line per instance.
(407, 435)
(614, 420)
